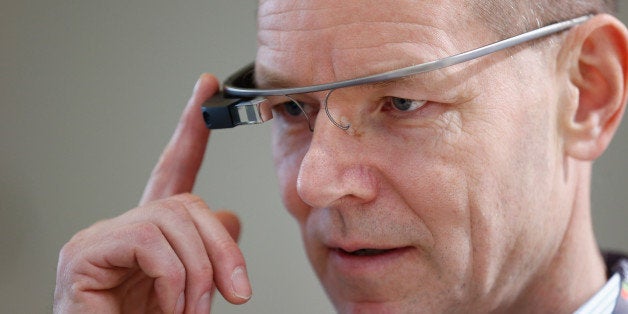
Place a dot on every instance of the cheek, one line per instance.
(430, 177)
(287, 158)
(509, 160)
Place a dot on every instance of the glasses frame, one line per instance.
(240, 103)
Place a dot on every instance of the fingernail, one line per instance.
(240, 283)
(180, 304)
(204, 303)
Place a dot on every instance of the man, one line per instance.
(464, 189)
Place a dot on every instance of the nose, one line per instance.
(336, 167)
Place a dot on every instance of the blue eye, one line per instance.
(292, 108)
(294, 113)
(405, 104)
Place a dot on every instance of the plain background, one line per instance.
(90, 92)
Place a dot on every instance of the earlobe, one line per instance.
(598, 69)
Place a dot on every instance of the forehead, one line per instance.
(309, 42)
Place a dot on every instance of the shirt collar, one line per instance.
(613, 296)
(604, 301)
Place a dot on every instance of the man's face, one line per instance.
(453, 206)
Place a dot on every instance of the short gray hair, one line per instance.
(510, 17)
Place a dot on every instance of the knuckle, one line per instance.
(178, 211)
(206, 271)
(226, 246)
(204, 274)
(189, 199)
(145, 233)
(67, 253)
(176, 274)
(86, 233)
(167, 211)
(173, 278)
(227, 250)
(75, 245)
(201, 275)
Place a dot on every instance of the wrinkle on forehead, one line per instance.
(304, 15)
(348, 11)
(308, 18)
(336, 40)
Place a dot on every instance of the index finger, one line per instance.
(176, 170)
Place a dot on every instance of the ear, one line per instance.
(597, 66)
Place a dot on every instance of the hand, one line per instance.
(165, 255)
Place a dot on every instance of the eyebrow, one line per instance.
(273, 79)
(404, 81)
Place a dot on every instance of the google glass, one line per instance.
(240, 102)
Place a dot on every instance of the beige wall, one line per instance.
(90, 92)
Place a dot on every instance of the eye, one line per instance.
(289, 109)
(292, 108)
(405, 104)
(295, 113)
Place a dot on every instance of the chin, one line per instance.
(366, 307)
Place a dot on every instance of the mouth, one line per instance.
(368, 261)
(365, 252)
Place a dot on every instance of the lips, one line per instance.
(366, 262)
(366, 252)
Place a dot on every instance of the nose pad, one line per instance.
(340, 123)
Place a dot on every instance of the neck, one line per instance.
(576, 271)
